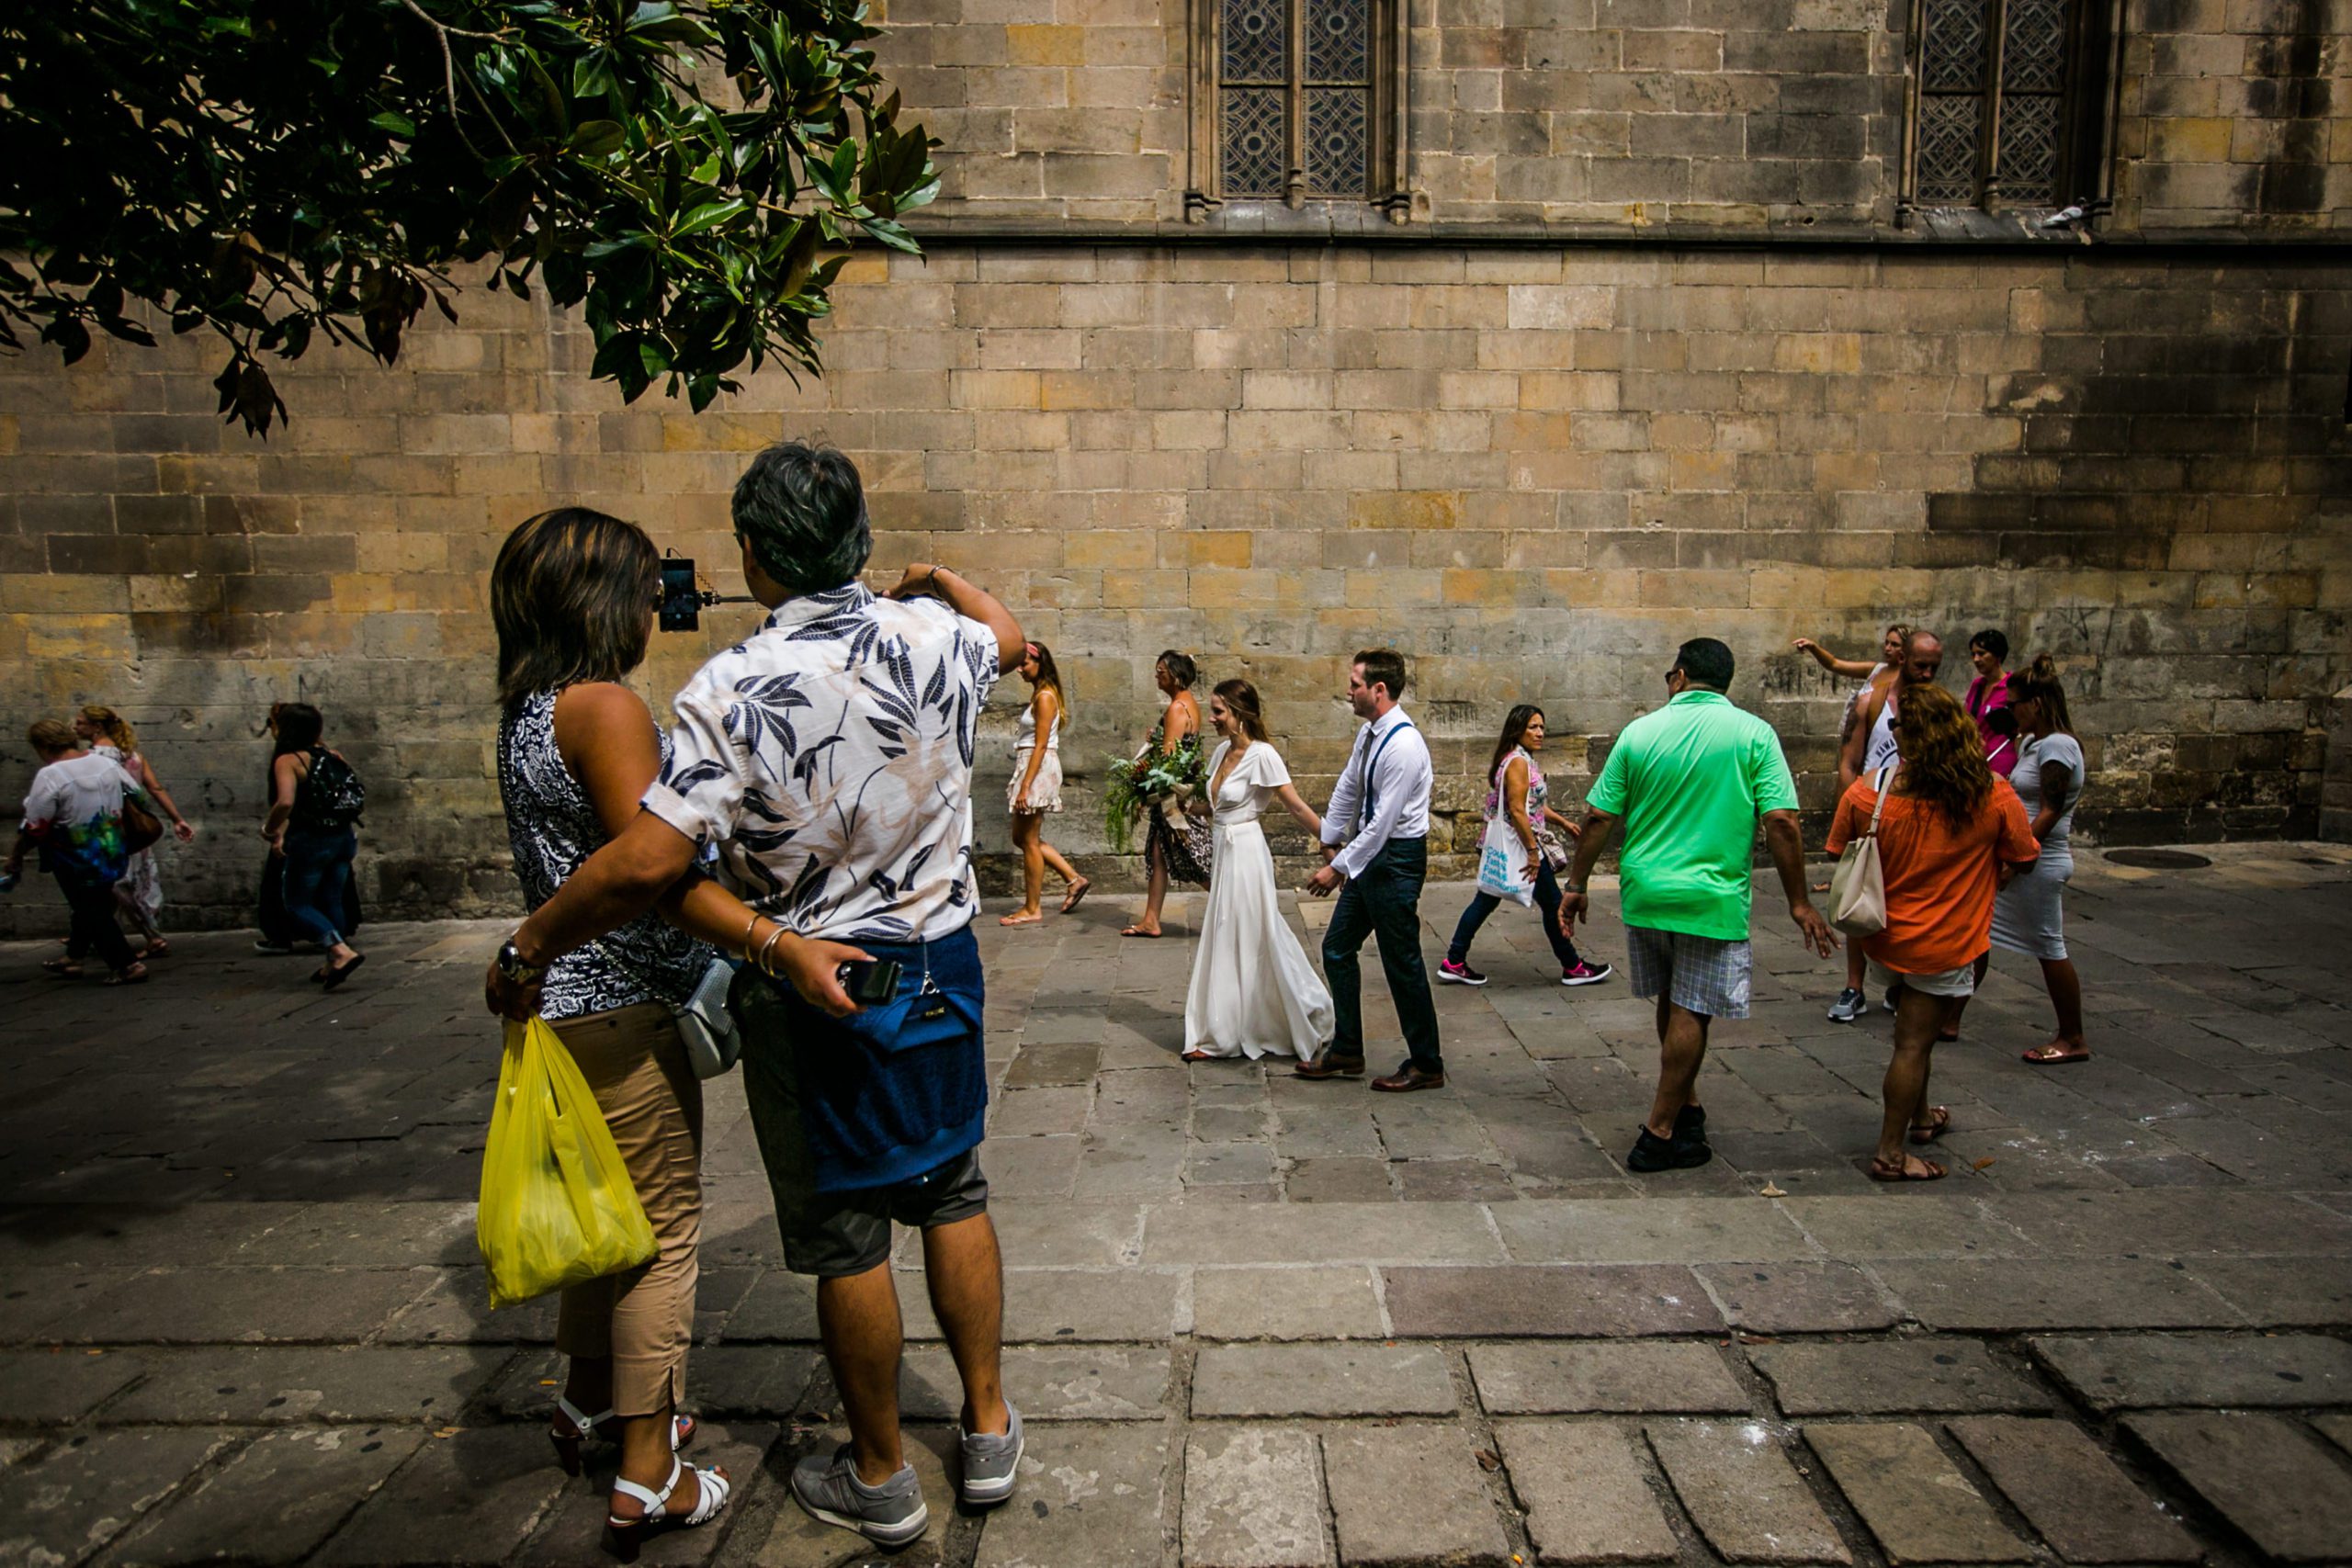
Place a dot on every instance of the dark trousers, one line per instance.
(92, 900)
(318, 876)
(1547, 900)
(1384, 903)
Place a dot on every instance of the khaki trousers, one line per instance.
(644, 1319)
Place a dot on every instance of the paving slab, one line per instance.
(1917, 1505)
(1564, 1301)
(62, 1507)
(2067, 1488)
(1092, 1495)
(2140, 1371)
(246, 1305)
(2281, 1292)
(1321, 1232)
(1892, 1377)
(50, 1387)
(2274, 1483)
(1049, 1382)
(1587, 1494)
(2337, 1429)
(274, 1501)
(1286, 1303)
(1906, 1223)
(268, 1385)
(1353, 1379)
(2178, 1223)
(1744, 1494)
(1530, 1377)
(1798, 1297)
(1988, 1295)
(1452, 1520)
(1655, 1230)
(1253, 1498)
(470, 1497)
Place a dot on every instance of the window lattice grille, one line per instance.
(1983, 126)
(1294, 119)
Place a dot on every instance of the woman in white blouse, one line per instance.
(1253, 990)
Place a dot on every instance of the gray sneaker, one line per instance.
(992, 1461)
(889, 1515)
(1848, 1007)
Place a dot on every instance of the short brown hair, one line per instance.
(49, 736)
(572, 595)
(1384, 667)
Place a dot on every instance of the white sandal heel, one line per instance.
(624, 1537)
(584, 1426)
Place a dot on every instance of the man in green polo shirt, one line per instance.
(1688, 782)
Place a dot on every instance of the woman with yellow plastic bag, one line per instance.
(592, 1180)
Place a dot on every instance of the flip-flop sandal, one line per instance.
(1139, 931)
(159, 948)
(1077, 894)
(1930, 1171)
(1939, 1124)
(134, 976)
(337, 977)
(1198, 1057)
(2043, 1057)
(1020, 919)
(63, 968)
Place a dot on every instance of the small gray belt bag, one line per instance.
(712, 1040)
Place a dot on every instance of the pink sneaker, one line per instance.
(1586, 974)
(1459, 973)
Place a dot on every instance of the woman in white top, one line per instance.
(1253, 991)
(1037, 787)
(139, 895)
(1519, 798)
(2028, 913)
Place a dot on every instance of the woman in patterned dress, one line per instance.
(572, 595)
(1169, 852)
(139, 895)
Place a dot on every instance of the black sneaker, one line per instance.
(1452, 974)
(269, 949)
(1653, 1153)
(1689, 1123)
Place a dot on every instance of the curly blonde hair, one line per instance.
(113, 726)
(1943, 759)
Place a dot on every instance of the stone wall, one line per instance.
(1629, 115)
(1534, 469)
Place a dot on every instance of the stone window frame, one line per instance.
(1385, 189)
(2088, 105)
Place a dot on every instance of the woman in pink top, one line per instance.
(1988, 699)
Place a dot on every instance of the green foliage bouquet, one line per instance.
(1148, 781)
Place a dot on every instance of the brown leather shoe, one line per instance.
(1407, 1078)
(1326, 1065)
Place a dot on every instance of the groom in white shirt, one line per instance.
(1376, 842)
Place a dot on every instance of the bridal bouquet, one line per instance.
(1147, 782)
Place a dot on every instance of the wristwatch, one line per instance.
(512, 968)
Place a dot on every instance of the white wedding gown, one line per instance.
(1253, 990)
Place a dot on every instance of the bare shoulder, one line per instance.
(593, 705)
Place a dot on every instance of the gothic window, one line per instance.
(1297, 101)
(2007, 101)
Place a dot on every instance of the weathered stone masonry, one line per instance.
(1535, 465)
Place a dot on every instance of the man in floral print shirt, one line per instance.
(826, 762)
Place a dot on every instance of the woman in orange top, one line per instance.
(1950, 833)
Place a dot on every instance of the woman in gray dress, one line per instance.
(2029, 915)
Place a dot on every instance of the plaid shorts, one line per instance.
(1703, 975)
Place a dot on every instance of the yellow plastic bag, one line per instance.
(556, 1203)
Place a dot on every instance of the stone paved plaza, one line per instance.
(1259, 1322)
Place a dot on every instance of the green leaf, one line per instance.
(597, 139)
(398, 125)
(710, 216)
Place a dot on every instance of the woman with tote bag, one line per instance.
(1518, 858)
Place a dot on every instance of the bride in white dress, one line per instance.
(1253, 992)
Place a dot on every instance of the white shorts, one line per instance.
(1960, 982)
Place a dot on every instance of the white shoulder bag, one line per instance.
(1858, 887)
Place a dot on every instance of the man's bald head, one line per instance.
(1922, 656)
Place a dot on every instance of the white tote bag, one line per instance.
(1503, 866)
(1858, 887)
